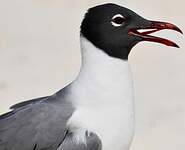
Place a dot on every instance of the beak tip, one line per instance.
(175, 45)
(180, 31)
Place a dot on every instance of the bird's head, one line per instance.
(116, 29)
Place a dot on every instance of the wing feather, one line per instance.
(93, 142)
(35, 125)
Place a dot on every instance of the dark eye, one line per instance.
(118, 20)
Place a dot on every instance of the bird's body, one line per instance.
(99, 101)
(96, 110)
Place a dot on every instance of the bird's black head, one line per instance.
(114, 29)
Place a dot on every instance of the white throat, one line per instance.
(103, 97)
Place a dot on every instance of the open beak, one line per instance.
(154, 27)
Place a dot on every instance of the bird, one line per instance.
(96, 110)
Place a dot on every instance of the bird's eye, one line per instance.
(118, 20)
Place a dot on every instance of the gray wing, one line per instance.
(92, 143)
(32, 101)
(35, 125)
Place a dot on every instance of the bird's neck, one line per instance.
(102, 78)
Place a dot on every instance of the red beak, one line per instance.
(156, 26)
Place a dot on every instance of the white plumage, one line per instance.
(103, 97)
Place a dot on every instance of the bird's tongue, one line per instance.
(155, 26)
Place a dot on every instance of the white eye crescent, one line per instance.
(118, 20)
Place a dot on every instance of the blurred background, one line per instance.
(39, 54)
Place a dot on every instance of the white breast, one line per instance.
(103, 97)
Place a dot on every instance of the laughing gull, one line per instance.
(96, 110)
